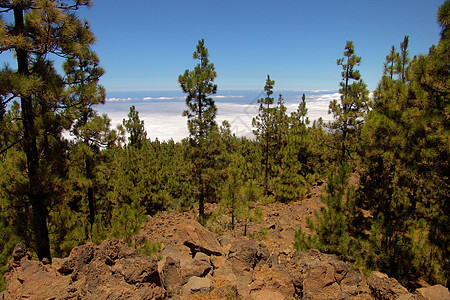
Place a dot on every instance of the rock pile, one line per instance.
(111, 270)
(198, 265)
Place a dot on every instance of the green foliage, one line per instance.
(150, 249)
(332, 225)
(135, 129)
(230, 200)
(350, 111)
(67, 229)
(265, 130)
(248, 211)
(391, 60)
(262, 234)
(158, 173)
(91, 133)
(405, 149)
(99, 231)
(286, 148)
(397, 220)
(127, 221)
(238, 206)
(48, 100)
(403, 59)
(199, 85)
(8, 239)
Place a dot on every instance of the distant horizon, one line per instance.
(219, 90)
(220, 93)
(163, 117)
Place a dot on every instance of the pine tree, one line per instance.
(199, 85)
(265, 134)
(281, 128)
(390, 64)
(403, 59)
(404, 183)
(135, 129)
(299, 137)
(291, 180)
(41, 29)
(298, 117)
(349, 113)
(231, 200)
(91, 133)
(289, 183)
(331, 227)
(249, 195)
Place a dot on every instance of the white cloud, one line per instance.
(118, 99)
(223, 96)
(318, 91)
(163, 98)
(164, 119)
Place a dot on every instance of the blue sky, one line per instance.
(145, 45)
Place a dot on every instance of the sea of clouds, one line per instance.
(162, 111)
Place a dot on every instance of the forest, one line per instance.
(67, 177)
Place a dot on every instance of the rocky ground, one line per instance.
(195, 263)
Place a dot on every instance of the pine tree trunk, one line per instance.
(344, 148)
(245, 228)
(201, 200)
(266, 163)
(232, 219)
(39, 225)
(90, 192)
(36, 194)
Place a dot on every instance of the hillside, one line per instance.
(195, 263)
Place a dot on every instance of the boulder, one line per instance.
(194, 261)
(275, 280)
(201, 269)
(245, 254)
(435, 292)
(317, 276)
(78, 258)
(177, 267)
(182, 258)
(197, 285)
(115, 249)
(149, 293)
(239, 281)
(320, 283)
(218, 261)
(198, 268)
(171, 276)
(238, 268)
(202, 257)
(138, 269)
(266, 294)
(19, 251)
(225, 241)
(385, 288)
(28, 279)
(199, 239)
